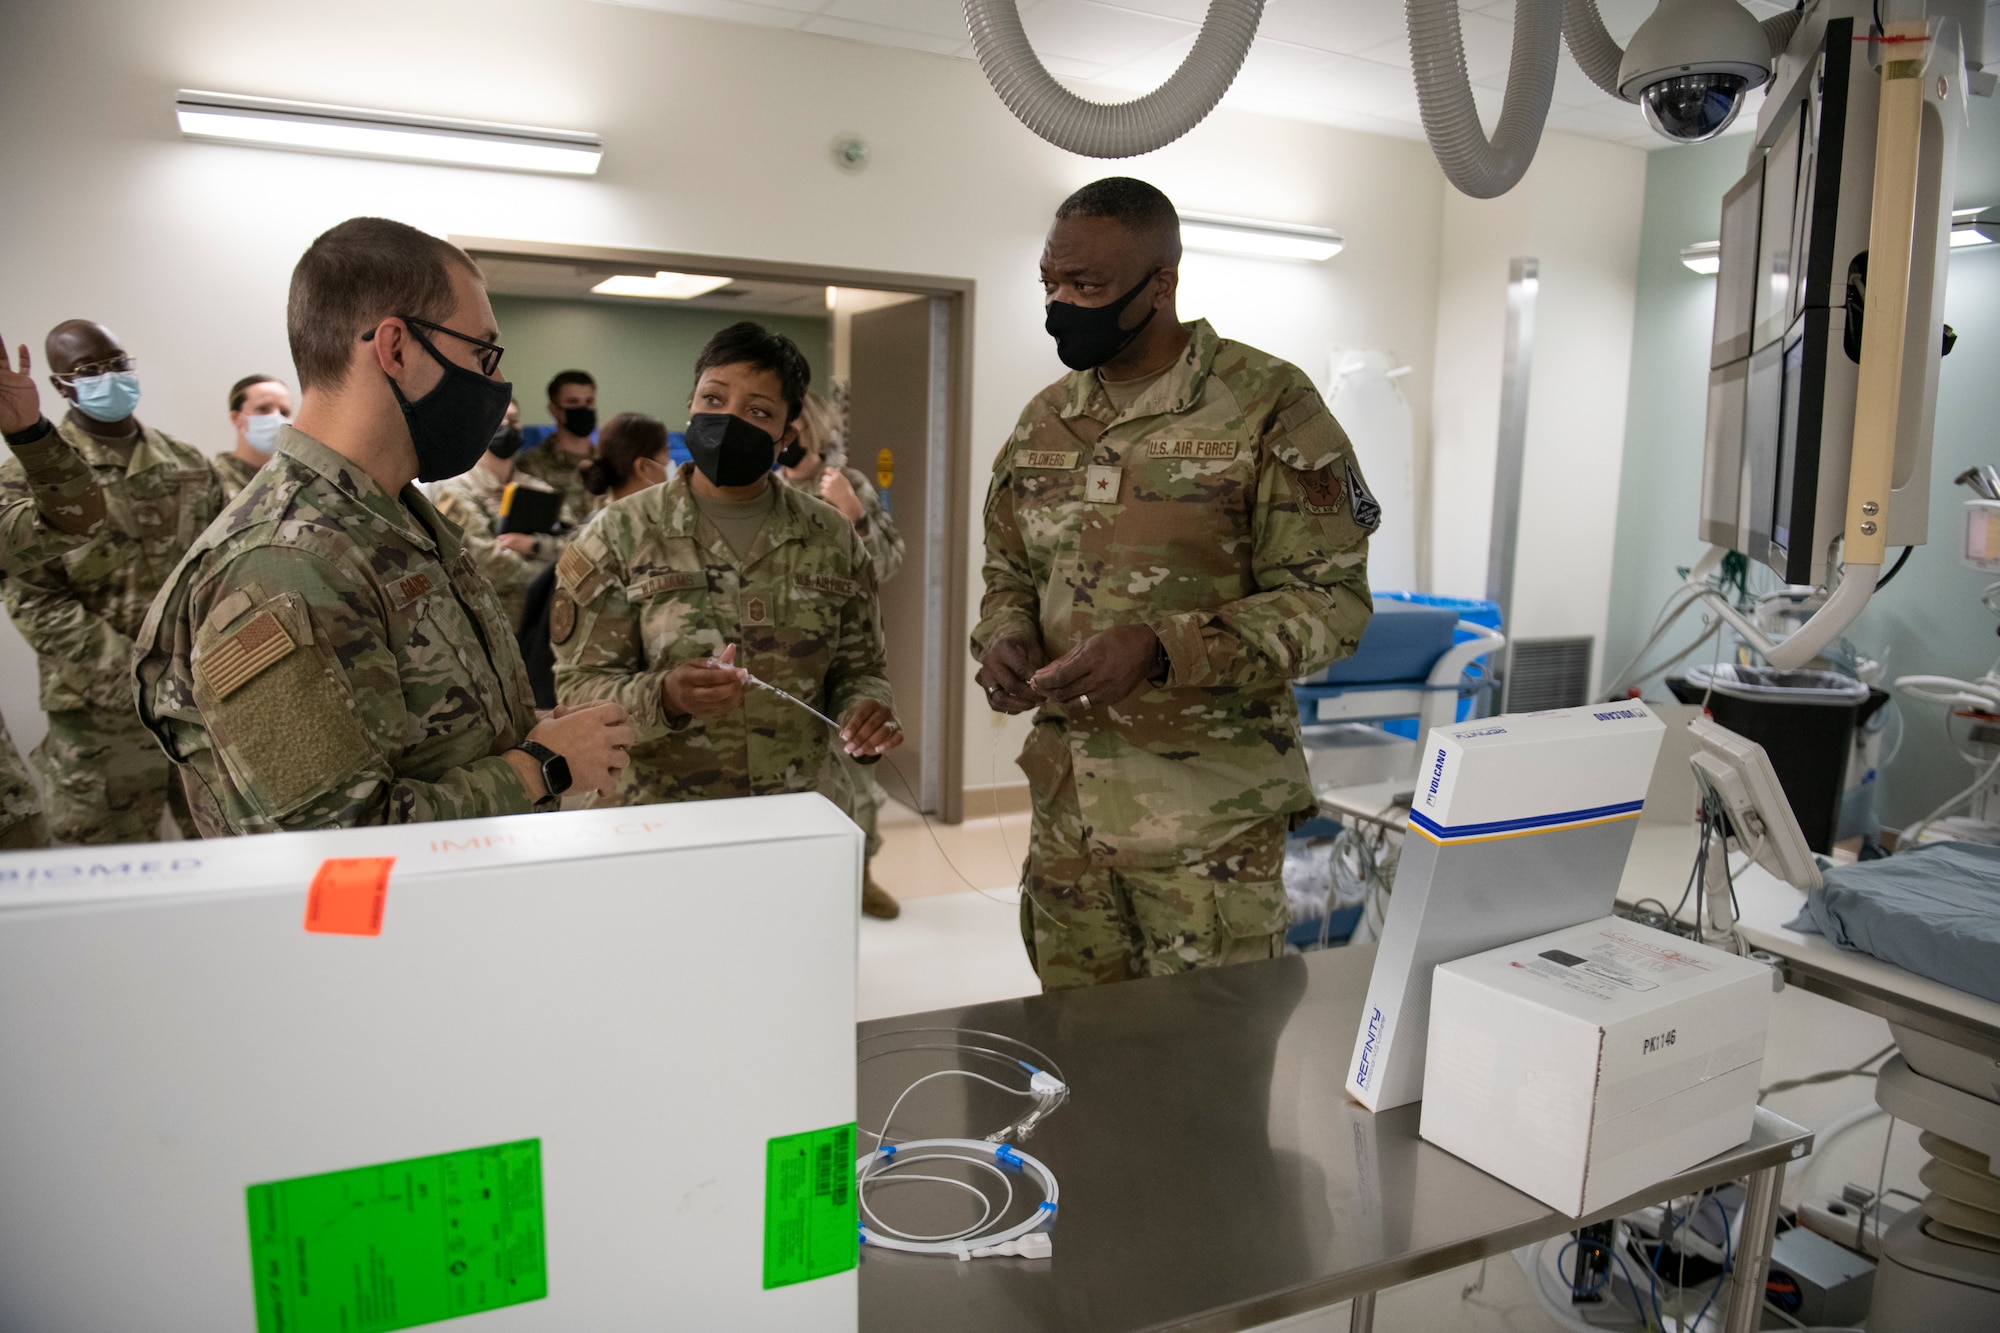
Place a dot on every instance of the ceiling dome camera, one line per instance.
(1691, 107)
(1690, 64)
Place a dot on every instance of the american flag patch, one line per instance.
(574, 567)
(235, 661)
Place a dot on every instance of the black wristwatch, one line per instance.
(555, 768)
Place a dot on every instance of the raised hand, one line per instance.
(20, 402)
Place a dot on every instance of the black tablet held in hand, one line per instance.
(528, 509)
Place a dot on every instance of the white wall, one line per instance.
(716, 142)
(1578, 213)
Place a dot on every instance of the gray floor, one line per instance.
(964, 948)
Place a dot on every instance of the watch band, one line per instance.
(29, 434)
(555, 769)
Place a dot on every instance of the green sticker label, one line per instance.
(810, 1223)
(384, 1247)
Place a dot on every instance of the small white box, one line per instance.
(1586, 1064)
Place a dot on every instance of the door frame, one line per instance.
(950, 447)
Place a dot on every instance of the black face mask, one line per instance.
(452, 425)
(580, 421)
(729, 450)
(1088, 335)
(792, 455)
(506, 442)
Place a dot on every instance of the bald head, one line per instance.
(80, 342)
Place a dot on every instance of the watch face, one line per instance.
(555, 773)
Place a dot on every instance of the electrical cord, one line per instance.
(1861, 1070)
(1728, 1259)
(1894, 569)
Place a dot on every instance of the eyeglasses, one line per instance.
(489, 353)
(111, 365)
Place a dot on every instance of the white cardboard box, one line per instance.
(1587, 1064)
(652, 995)
(1521, 825)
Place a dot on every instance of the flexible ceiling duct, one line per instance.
(1111, 129)
(1474, 164)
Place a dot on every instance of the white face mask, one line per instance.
(262, 431)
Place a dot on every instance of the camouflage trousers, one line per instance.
(1085, 923)
(21, 822)
(106, 780)
(854, 788)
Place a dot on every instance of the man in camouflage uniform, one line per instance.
(1180, 525)
(557, 460)
(259, 407)
(21, 822)
(327, 655)
(93, 514)
(509, 560)
(821, 471)
(670, 597)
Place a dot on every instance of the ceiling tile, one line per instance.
(1097, 33)
(1623, 17)
(1611, 120)
(1151, 69)
(1345, 26)
(1273, 66)
(935, 18)
(1187, 11)
(879, 36)
(1489, 47)
(1363, 86)
(776, 14)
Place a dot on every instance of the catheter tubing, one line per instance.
(1857, 585)
(1478, 166)
(975, 1152)
(1116, 129)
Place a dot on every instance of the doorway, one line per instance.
(896, 347)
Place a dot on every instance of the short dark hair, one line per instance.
(1140, 208)
(241, 389)
(748, 344)
(625, 439)
(357, 274)
(569, 377)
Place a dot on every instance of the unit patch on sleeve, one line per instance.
(235, 661)
(1324, 492)
(562, 617)
(1367, 509)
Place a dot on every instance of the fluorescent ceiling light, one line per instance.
(1263, 240)
(1974, 226)
(1703, 257)
(662, 286)
(354, 132)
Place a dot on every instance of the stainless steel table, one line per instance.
(1214, 1174)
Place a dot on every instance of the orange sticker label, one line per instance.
(347, 895)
